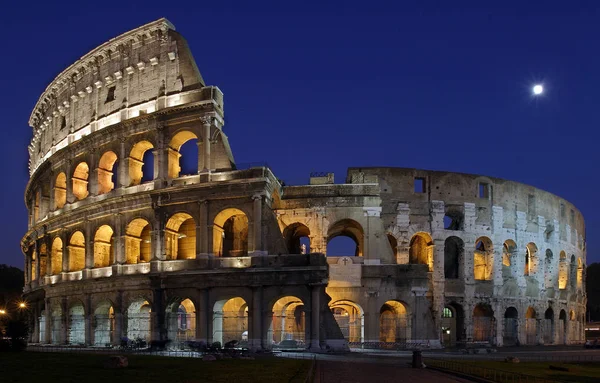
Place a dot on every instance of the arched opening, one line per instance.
(76, 333)
(77, 252)
(56, 325)
(508, 250)
(297, 238)
(531, 326)
(511, 327)
(175, 153)
(104, 324)
(483, 259)
(531, 259)
(107, 171)
(104, 254)
(548, 326)
(56, 256)
(181, 322)
(137, 242)
(562, 326)
(579, 273)
(394, 323)
(549, 270)
(287, 328)
(60, 190)
(180, 237)
(453, 220)
(36, 207)
(345, 238)
(454, 249)
(563, 271)
(43, 259)
(350, 319)
(230, 321)
(138, 322)
(452, 325)
(141, 163)
(574, 327)
(230, 233)
(80, 181)
(483, 323)
(421, 250)
(573, 272)
(32, 266)
(393, 244)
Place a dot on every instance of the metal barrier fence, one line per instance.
(491, 374)
(407, 345)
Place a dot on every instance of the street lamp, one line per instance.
(2, 312)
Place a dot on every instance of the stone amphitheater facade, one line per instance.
(122, 245)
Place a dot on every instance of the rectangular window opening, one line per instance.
(420, 186)
(110, 95)
(484, 190)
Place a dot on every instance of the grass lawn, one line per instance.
(65, 367)
(578, 372)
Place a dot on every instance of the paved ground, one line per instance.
(352, 372)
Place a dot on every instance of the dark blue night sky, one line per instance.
(313, 87)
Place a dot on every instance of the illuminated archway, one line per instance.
(60, 190)
(562, 327)
(77, 252)
(531, 326)
(230, 321)
(56, 256)
(76, 322)
(483, 259)
(106, 169)
(394, 323)
(175, 144)
(181, 322)
(230, 233)
(104, 324)
(421, 250)
(350, 319)
(180, 237)
(140, 170)
(531, 259)
(80, 180)
(287, 329)
(483, 323)
(563, 271)
(138, 320)
(103, 247)
(138, 242)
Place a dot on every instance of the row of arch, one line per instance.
(483, 262)
(230, 238)
(286, 327)
(536, 328)
(182, 156)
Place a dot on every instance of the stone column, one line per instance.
(48, 321)
(255, 336)
(93, 186)
(89, 250)
(161, 160)
(200, 144)
(119, 245)
(315, 318)
(88, 320)
(158, 237)
(203, 317)
(64, 321)
(35, 335)
(202, 230)
(118, 312)
(66, 255)
(69, 177)
(37, 262)
(157, 316)
(52, 203)
(372, 317)
(27, 268)
(206, 123)
(123, 166)
(257, 220)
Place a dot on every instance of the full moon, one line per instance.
(538, 89)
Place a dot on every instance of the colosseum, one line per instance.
(124, 244)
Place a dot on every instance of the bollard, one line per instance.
(417, 361)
